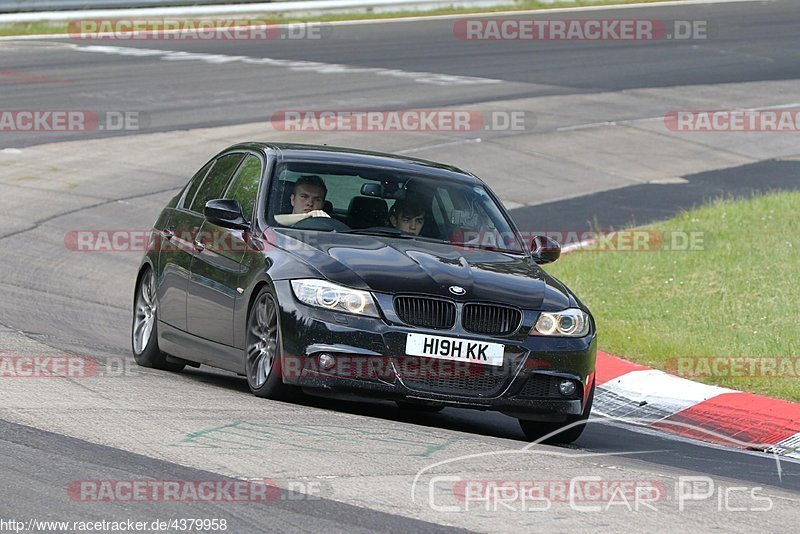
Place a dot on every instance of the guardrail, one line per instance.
(230, 6)
(17, 6)
(239, 8)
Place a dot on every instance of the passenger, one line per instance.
(408, 215)
(308, 199)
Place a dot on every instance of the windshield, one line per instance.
(387, 203)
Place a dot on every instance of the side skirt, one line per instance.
(196, 350)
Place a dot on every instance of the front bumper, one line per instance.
(371, 363)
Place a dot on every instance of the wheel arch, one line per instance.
(146, 264)
(256, 290)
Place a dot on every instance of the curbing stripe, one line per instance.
(699, 411)
(613, 367)
(649, 395)
(744, 416)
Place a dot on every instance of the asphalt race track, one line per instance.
(594, 149)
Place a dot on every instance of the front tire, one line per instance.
(263, 352)
(535, 430)
(144, 330)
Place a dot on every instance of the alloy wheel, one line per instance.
(145, 314)
(262, 341)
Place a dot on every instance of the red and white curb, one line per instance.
(630, 391)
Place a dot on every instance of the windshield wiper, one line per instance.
(489, 248)
(389, 232)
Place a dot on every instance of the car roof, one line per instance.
(351, 156)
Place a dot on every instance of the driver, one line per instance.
(408, 215)
(308, 198)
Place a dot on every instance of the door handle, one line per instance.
(199, 246)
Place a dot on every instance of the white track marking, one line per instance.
(440, 145)
(311, 66)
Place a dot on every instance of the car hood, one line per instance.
(392, 265)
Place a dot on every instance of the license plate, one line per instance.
(448, 348)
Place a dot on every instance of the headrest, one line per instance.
(368, 211)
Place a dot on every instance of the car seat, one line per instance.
(368, 211)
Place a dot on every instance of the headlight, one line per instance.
(322, 294)
(568, 323)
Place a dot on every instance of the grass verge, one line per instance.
(737, 299)
(45, 27)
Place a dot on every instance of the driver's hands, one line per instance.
(317, 213)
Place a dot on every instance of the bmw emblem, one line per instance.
(457, 290)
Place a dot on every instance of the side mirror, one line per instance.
(226, 213)
(545, 250)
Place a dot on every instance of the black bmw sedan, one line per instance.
(345, 273)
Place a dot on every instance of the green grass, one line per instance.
(738, 297)
(44, 27)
